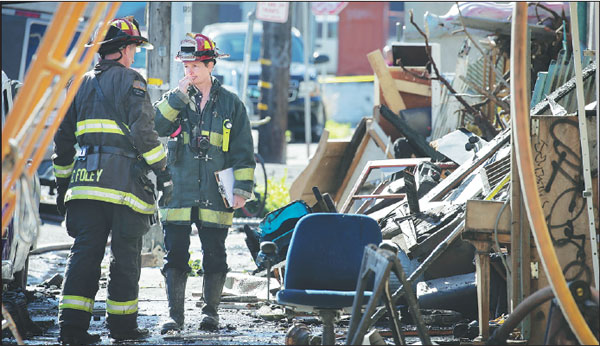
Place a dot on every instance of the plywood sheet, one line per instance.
(558, 170)
(371, 152)
(321, 171)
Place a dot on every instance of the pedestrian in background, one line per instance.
(104, 187)
(208, 131)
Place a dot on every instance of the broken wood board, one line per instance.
(481, 218)
(322, 171)
(388, 86)
(368, 149)
(415, 92)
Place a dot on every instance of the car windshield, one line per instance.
(233, 44)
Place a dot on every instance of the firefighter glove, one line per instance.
(60, 199)
(164, 183)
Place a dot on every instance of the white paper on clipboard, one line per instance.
(225, 182)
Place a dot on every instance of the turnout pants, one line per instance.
(90, 223)
(177, 244)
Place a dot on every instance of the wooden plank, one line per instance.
(481, 216)
(348, 176)
(322, 170)
(388, 86)
(413, 88)
(482, 274)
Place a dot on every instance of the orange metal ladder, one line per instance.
(46, 79)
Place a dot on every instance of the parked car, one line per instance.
(20, 235)
(230, 38)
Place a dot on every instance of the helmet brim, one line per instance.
(140, 41)
(189, 57)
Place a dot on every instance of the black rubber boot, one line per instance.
(212, 290)
(175, 281)
(131, 334)
(76, 336)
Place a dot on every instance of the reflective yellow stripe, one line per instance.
(263, 84)
(207, 215)
(186, 137)
(262, 106)
(97, 125)
(155, 81)
(76, 303)
(175, 214)
(155, 154)
(218, 217)
(244, 174)
(265, 62)
(111, 196)
(63, 171)
(216, 139)
(167, 111)
(121, 308)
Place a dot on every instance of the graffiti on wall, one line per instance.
(559, 178)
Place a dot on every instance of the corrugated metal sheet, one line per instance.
(560, 72)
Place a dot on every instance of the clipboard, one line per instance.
(225, 182)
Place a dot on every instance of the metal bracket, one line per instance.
(535, 273)
(535, 127)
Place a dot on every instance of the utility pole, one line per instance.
(158, 63)
(274, 89)
(158, 59)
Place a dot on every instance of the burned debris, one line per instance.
(438, 175)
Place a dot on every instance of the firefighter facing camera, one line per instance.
(104, 188)
(208, 131)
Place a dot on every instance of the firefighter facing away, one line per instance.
(103, 187)
(208, 131)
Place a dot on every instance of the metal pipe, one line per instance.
(519, 313)
(521, 131)
(246, 63)
(307, 124)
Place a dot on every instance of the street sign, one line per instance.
(327, 8)
(272, 11)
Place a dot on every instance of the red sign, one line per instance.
(330, 8)
(272, 11)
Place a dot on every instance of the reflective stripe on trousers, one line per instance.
(121, 308)
(76, 303)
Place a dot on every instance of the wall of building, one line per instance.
(363, 27)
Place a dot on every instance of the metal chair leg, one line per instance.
(328, 316)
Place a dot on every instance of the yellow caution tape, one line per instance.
(346, 79)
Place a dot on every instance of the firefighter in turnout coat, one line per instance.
(208, 131)
(105, 188)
